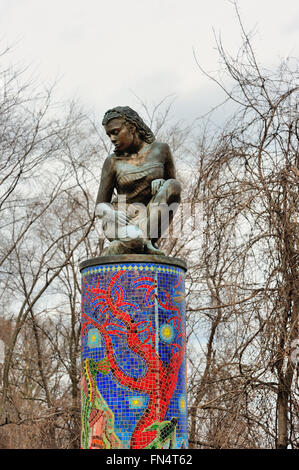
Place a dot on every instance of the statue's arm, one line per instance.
(105, 192)
(169, 171)
(107, 182)
(104, 208)
(169, 168)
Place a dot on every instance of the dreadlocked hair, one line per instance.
(130, 116)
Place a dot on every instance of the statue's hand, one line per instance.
(156, 185)
(121, 217)
(108, 214)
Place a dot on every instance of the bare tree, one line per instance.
(248, 314)
(47, 159)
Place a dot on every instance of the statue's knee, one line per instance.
(174, 190)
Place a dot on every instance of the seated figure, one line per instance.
(138, 186)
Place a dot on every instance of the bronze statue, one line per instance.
(138, 185)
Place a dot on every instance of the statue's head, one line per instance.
(126, 117)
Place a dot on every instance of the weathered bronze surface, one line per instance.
(138, 186)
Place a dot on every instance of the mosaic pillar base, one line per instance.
(133, 389)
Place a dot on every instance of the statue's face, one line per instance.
(120, 134)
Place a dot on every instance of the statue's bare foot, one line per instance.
(151, 249)
(119, 247)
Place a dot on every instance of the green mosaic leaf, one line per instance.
(103, 366)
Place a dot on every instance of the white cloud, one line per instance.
(104, 50)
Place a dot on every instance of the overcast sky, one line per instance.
(104, 52)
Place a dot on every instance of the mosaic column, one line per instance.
(133, 389)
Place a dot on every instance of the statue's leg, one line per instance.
(124, 239)
(162, 208)
(147, 226)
